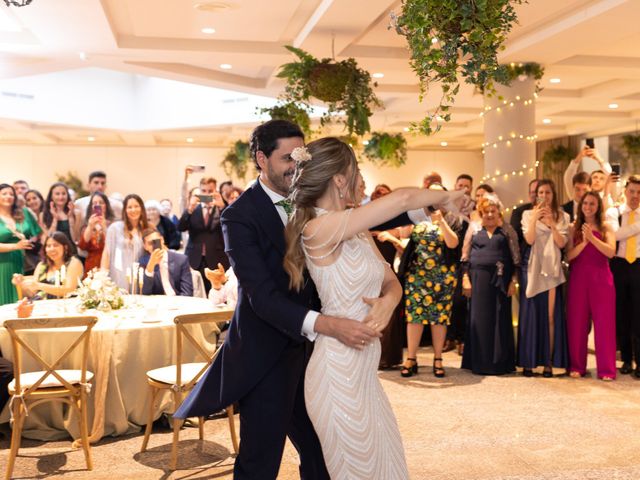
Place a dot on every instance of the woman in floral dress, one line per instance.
(429, 281)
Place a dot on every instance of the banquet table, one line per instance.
(125, 344)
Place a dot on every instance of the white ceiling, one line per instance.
(591, 45)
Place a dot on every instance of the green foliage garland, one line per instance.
(343, 86)
(237, 159)
(448, 38)
(385, 149)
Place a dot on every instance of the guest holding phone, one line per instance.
(166, 272)
(99, 216)
(201, 219)
(542, 339)
(17, 227)
(58, 214)
(591, 293)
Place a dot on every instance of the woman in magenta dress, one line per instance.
(591, 292)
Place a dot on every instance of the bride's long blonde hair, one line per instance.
(312, 178)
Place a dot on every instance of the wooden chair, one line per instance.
(51, 384)
(182, 377)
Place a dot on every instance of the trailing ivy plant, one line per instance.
(292, 112)
(452, 38)
(342, 85)
(73, 181)
(555, 160)
(385, 149)
(631, 144)
(237, 160)
(505, 74)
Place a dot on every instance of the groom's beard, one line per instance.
(282, 183)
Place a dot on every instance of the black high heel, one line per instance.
(438, 371)
(410, 370)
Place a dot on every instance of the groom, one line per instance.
(263, 360)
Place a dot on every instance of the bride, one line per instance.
(344, 398)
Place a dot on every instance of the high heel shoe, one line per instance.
(438, 371)
(409, 368)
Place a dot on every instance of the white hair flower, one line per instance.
(301, 154)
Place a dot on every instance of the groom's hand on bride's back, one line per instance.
(352, 333)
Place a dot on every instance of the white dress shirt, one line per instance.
(164, 275)
(228, 293)
(624, 230)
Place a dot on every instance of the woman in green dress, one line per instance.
(17, 229)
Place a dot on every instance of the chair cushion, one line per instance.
(29, 378)
(168, 374)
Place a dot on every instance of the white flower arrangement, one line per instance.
(98, 291)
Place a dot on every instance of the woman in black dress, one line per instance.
(490, 257)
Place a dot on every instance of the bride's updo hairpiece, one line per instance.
(301, 156)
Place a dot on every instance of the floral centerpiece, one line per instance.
(98, 291)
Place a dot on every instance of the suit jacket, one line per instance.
(179, 276)
(516, 223)
(209, 235)
(568, 207)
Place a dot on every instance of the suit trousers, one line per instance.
(272, 411)
(626, 277)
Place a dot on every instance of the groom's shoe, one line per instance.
(625, 369)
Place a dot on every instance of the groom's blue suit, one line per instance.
(264, 356)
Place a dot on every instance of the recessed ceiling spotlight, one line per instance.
(443, 144)
(91, 139)
(226, 66)
(406, 129)
(208, 30)
(554, 80)
(83, 56)
(189, 140)
(213, 6)
(377, 75)
(546, 121)
(613, 106)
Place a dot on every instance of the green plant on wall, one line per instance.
(72, 180)
(237, 160)
(555, 160)
(385, 149)
(292, 112)
(631, 145)
(449, 39)
(343, 86)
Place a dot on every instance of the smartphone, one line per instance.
(589, 142)
(205, 198)
(539, 200)
(196, 168)
(156, 244)
(97, 209)
(615, 169)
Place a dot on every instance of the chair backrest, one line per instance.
(16, 326)
(198, 284)
(182, 321)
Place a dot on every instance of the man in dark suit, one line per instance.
(165, 272)
(581, 184)
(516, 215)
(201, 219)
(263, 359)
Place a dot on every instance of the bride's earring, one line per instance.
(340, 194)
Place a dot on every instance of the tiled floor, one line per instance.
(460, 427)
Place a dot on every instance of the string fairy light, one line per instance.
(509, 104)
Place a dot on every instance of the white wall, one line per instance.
(156, 172)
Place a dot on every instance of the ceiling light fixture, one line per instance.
(546, 121)
(613, 106)
(212, 7)
(226, 66)
(83, 56)
(189, 140)
(17, 3)
(91, 139)
(208, 30)
(377, 75)
(443, 144)
(554, 80)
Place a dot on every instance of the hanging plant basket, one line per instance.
(342, 85)
(631, 144)
(73, 181)
(237, 160)
(385, 149)
(555, 160)
(448, 39)
(291, 112)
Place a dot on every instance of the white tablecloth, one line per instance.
(125, 344)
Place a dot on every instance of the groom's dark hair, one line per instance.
(264, 137)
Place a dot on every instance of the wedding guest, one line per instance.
(429, 281)
(166, 209)
(224, 286)
(163, 224)
(6, 375)
(481, 190)
(21, 187)
(58, 213)
(59, 272)
(625, 267)
(92, 240)
(516, 224)
(464, 182)
(210, 184)
(542, 337)
(491, 259)
(431, 177)
(165, 272)
(581, 185)
(591, 293)
(97, 183)
(17, 228)
(34, 201)
(123, 245)
(226, 188)
(233, 196)
(205, 247)
(598, 181)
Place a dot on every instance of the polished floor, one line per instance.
(460, 427)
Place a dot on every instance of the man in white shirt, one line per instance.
(97, 183)
(165, 272)
(598, 178)
(224, 286)
(625, 266)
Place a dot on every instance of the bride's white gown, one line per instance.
(344, 398)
